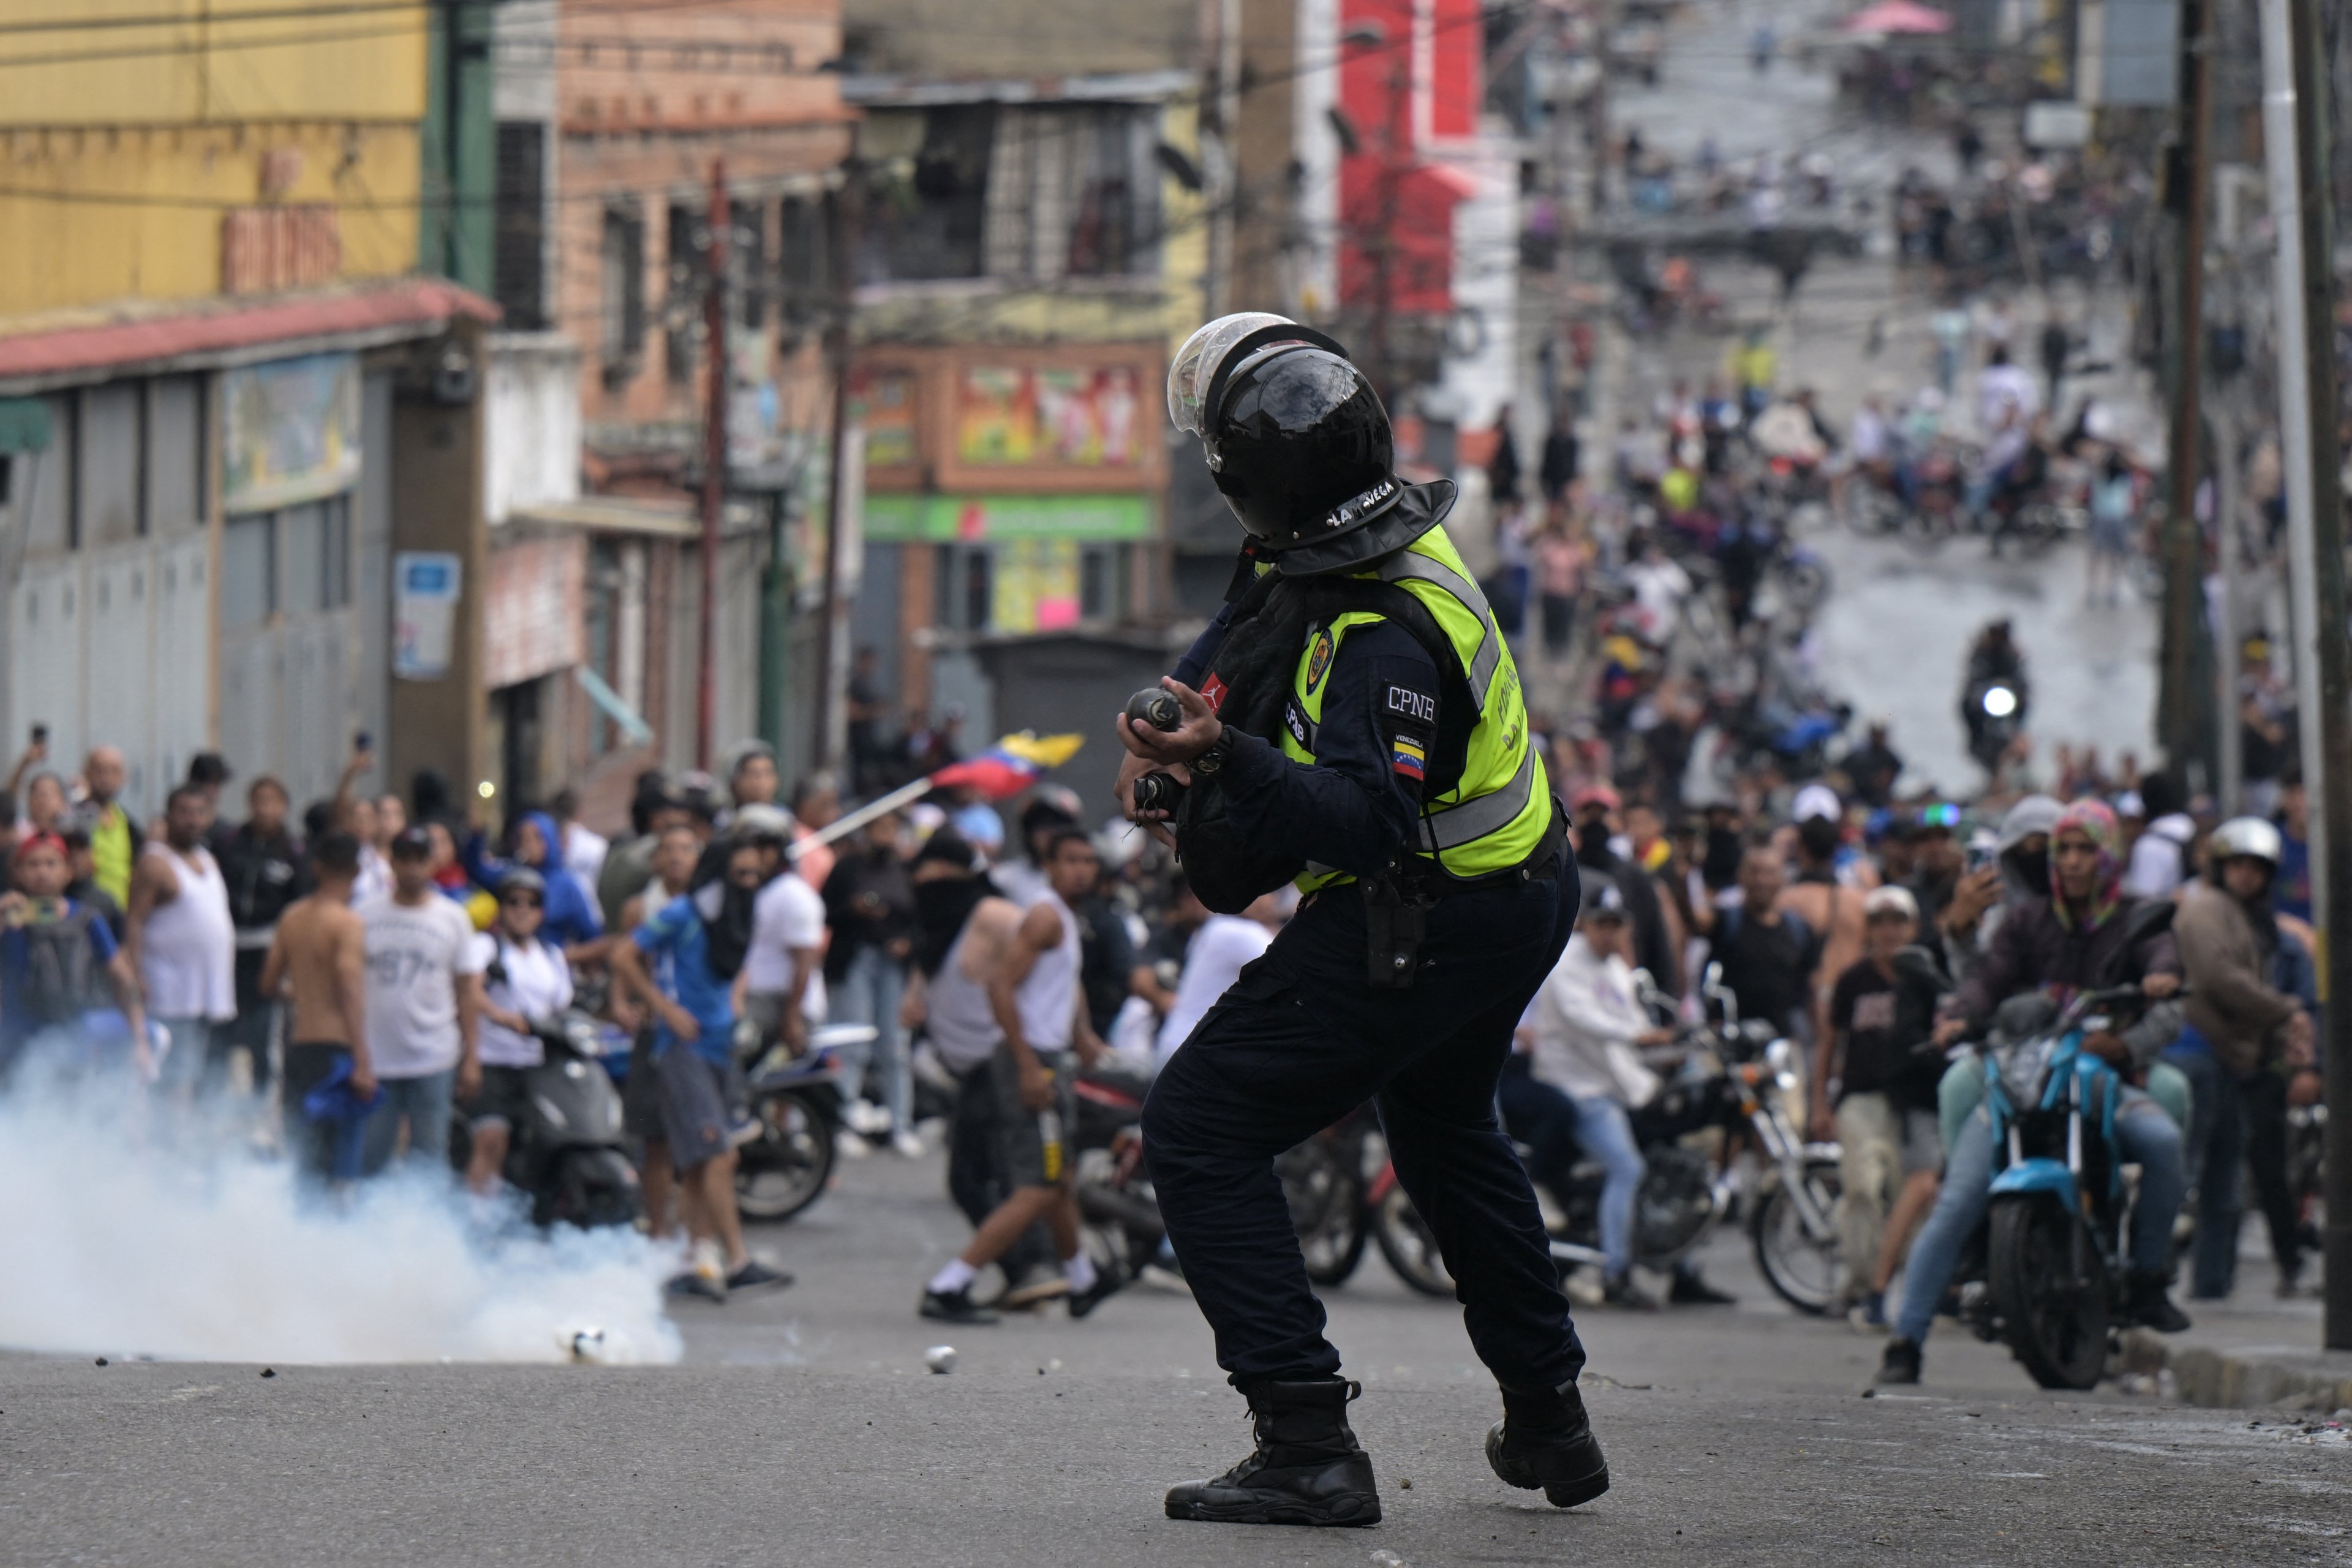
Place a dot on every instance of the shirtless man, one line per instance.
(318, 958)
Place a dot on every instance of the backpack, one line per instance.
(60, 969)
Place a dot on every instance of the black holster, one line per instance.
(1396, 922)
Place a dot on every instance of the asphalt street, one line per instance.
(803, 1428)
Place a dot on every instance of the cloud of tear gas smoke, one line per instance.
(113, 1238)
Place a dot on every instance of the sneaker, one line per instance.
(1868, 1316)
(1037, 1284)
(1690, 1290)
(1620, 1291)
(943, 1307)
(850, 1145)
(1107, 1284)
(907, 1145)
(1899, 1365)
(757, 1276)
(864, 1116)
(696, 1287)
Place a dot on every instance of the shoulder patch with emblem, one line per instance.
(1318, 659)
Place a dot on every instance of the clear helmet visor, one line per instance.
(1197, 362)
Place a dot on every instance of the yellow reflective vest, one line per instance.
(1494, 816)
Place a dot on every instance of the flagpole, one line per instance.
(841, 826)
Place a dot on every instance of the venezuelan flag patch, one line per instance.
(1406, 757)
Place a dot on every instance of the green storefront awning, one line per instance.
(23, 424)
(944, 520)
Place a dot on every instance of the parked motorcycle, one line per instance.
(796, 1103)
(565, 1152)
(1343, 1191)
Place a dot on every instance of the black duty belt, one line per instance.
(1396, 906)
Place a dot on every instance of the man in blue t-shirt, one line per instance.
(682, 964)
(58, 962)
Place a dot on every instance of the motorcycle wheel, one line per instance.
(1924, 531)
(591, 1189)
(2048, 1281)
(1409, 1245)
(1803, 1271)
(1805, 584)
(786, 1168)
(1326, 1210)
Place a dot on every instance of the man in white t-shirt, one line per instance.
(424, 1001)
(1212, 961)
(584, 849)
(525, 978)
(781, 983)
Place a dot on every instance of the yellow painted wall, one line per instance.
(148, 132)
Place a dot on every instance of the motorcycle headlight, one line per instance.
(2024, 1069)
(1999, 701)
(1780, 1057)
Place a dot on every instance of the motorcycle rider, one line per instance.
(1590, 1031)
(525, 977)
(2073, 939)
(2239, 1023)
(1994, 659)
(1360, 721)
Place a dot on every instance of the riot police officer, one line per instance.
(1353, 722)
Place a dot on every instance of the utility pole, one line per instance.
(848, 212)
(1395, 151)
(2295, 148)
(714, 463)
(2222, 417)
(2183, 581)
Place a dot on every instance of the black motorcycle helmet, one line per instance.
(1295, 436)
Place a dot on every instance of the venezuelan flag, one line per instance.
(1406, 757)
(1011, 765)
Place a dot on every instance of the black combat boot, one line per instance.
(1545, 1440)
(1308, 1469)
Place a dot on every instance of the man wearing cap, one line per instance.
(1590, 1030)
(1353, 723)
(423, 1006)
(1881, 1056)
(1651, 940)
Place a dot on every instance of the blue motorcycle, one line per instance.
(2051, 1281)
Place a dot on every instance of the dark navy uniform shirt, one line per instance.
(1358, 808)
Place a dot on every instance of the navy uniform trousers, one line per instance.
(1298, 1041)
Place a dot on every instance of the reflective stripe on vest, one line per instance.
(1495, 816)
(1406, 565)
